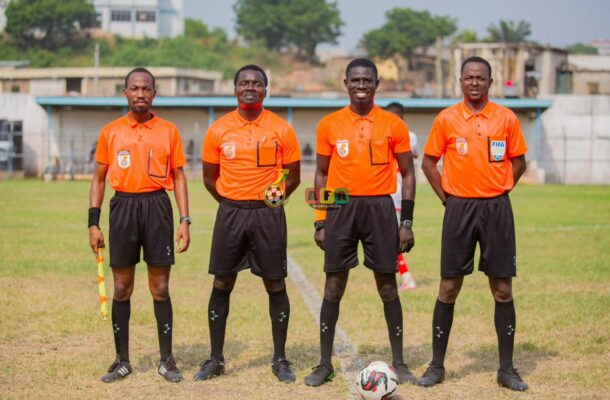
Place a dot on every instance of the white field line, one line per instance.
(350, 361)
(550, 228)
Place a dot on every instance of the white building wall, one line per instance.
(169, 19)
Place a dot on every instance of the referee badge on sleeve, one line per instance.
(342, 148)
(124, 159)
(461, 145)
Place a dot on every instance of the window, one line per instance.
(73, 85)
(592, 87)
(120, 15)
(15, 89)
(98, 20)
(145, 16)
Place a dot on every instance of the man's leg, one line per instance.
(334, 288)
(121, 311)
(387, 289)
(505, 322)
(442, 320)
(279, 312)
(218, 311)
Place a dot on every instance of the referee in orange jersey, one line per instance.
(246, 156)
(483, 152)
(142, 156)
(358, 149)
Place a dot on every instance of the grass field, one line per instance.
(54, 345)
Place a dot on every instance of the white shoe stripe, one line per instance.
(123, 371)
(162, 370)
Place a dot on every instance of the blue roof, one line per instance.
(278, 102)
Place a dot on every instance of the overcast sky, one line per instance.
(555, 22)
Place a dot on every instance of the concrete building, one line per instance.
(518, 69)
(105, 81)
(587, 74)
(140, 18)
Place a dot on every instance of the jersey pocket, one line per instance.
(158, 164)
(496, 149)
(266, 154)
(380, 151)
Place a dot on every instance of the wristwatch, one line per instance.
(186, 218)
(407, 223)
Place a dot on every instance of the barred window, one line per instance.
(120, 15)
(145, 16)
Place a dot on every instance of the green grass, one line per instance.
(53, 343)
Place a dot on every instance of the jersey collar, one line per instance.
(149, 124)
(369, 117)
(467, 113)
(243, 122)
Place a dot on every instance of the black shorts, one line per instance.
(369, 219)
(486, 221)
(249, 234)
(141, 220)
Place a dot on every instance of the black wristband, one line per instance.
(406, 210)
(319, 225)
(94, 216)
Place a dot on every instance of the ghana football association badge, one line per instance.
(342, 148)
(461, 145)
(273, 195)
(124, 159)
(229, 150)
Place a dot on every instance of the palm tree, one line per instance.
(509, 32)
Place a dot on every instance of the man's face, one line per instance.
(250, 89)
(139, 92)
(361, 85)
(475, 81)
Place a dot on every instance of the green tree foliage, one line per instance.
(465, 36)
(216, 38)
(48, 24)
(580, 48)
(509, 32)
(278, 24)
(404, 31)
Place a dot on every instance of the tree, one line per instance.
(509, 32)
(404, 31)
(49, 24)
(216, 38)
(580, 48)
(278, 24)
(465, 36)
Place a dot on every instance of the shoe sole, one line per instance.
(513, 389)
(329, 378)
(207, 378)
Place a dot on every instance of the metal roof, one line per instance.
(278, 102)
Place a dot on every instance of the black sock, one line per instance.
(393, 317)
(329, 314)
(218, 311)
(441, 327)
(279, 311)
(165, 317)
(121, 311)
(505, 321)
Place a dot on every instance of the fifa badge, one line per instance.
(497, 149)
(342, 148)
(461, 145)
(124, 159)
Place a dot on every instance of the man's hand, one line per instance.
(183, 237)
(406, 240)
(96, 239)
(319, 238)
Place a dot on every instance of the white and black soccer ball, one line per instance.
(377, 381)
(273, 196)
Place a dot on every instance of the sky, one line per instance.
(558, 23)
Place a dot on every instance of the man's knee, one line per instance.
(159, 290)
(388, 293)
(225, 282)
(122, 290)
(449, 289)
(274, 285)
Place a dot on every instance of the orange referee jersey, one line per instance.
(140, 156)
(251, 154)
(362, 150)
(476, 149)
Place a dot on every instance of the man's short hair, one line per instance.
(250, 67)
(140, 69)
(361, 62)
(476, 59)
(395, 105)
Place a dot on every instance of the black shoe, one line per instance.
(403, 373)
(510, 378)
(169, 370)
(433, 375)
(281, 369)
(117, 371)
(210, 369)
(321, 373)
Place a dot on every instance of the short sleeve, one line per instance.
(516, 140)
(101, 150)
(210, 152)
(400, 134)
(324, 146)
(177, 152)
(290, 146)
(319, 215)
(436, 144)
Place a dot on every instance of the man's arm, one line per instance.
(183, 236)
(294, 177)
(211, 172)
(407, 172)
(320, 178)
(519, 165)
(96, 197)
(434, 177)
